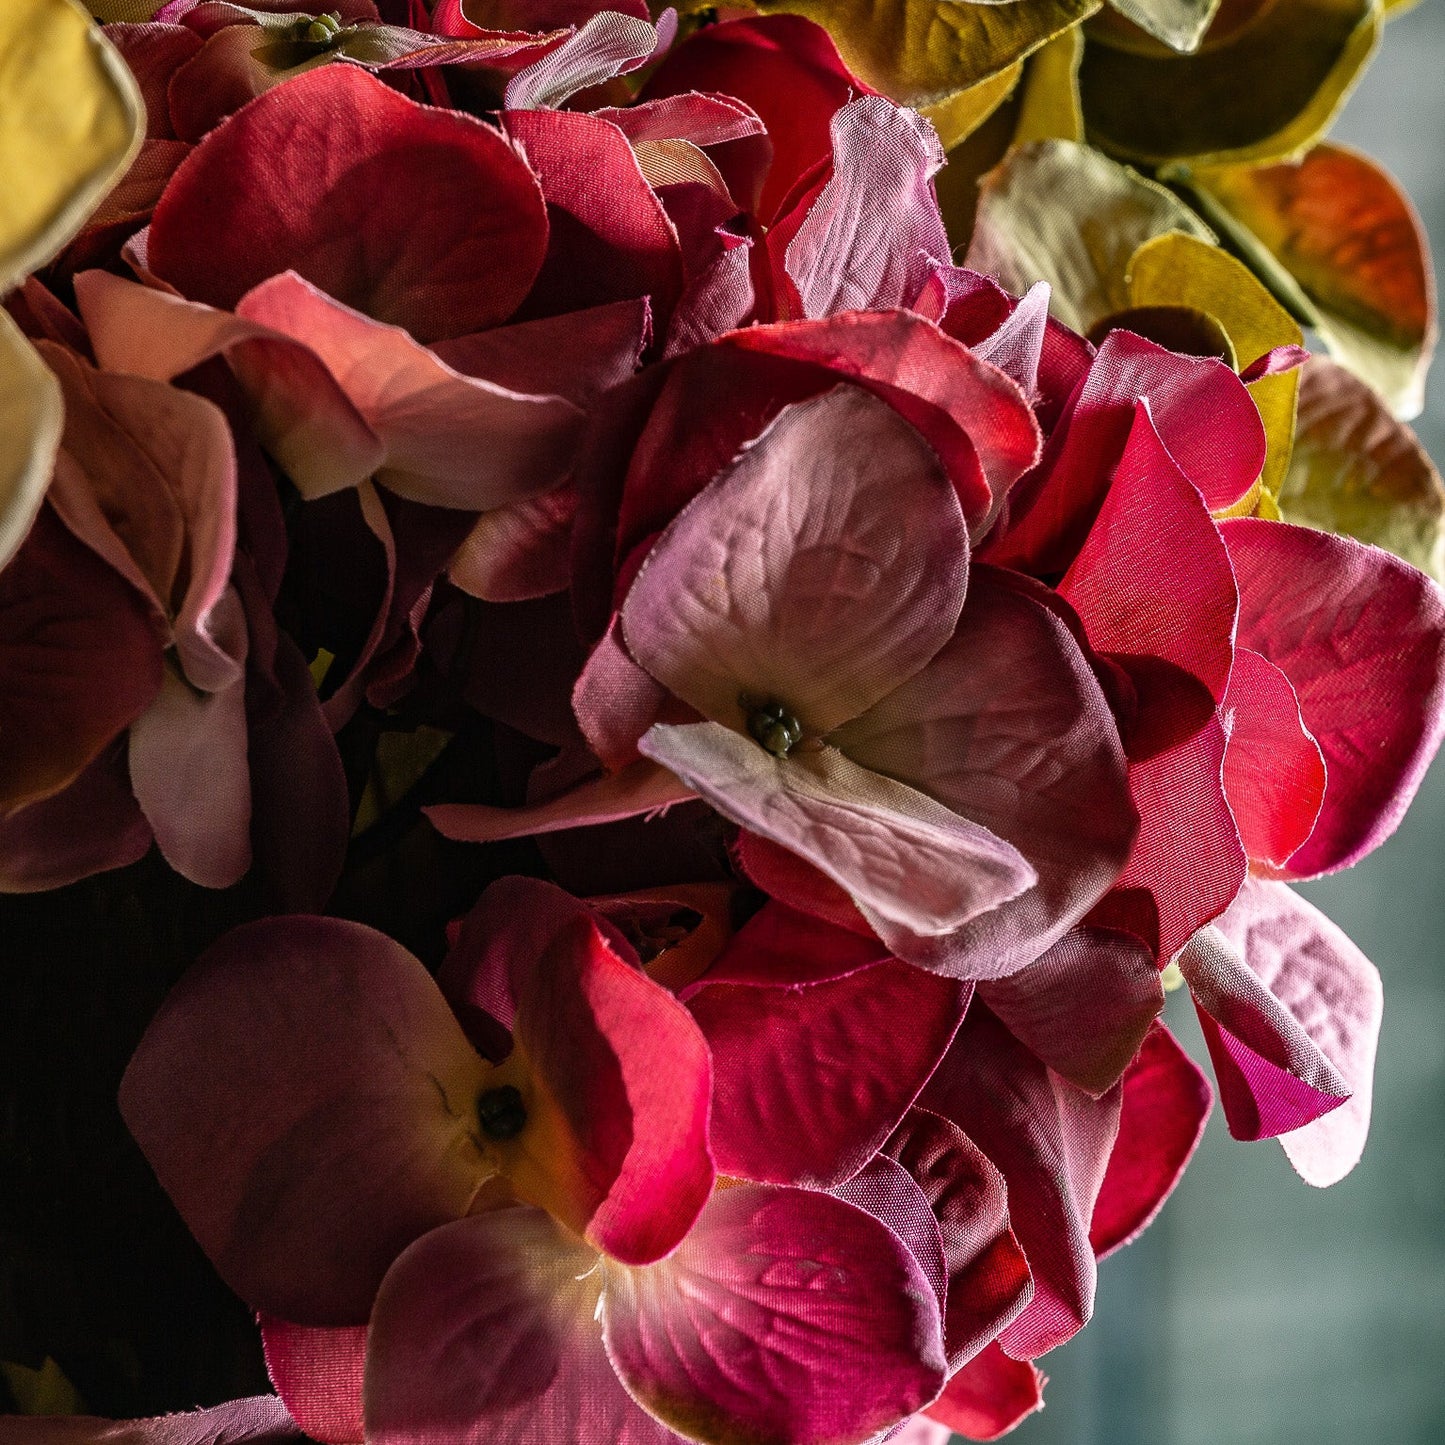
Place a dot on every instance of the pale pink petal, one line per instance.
(896, 851)
(260, 1420)
(615, 700)
(810, 1080)
(1085, 1007)
(988, 1277)
(643, 787)
(1008, 726)
(1017, 346)
(868, 240)
(1333, 990)
(821, 571)
(608, 45)
(785, 1315)
(705, 119)
(451, 440)
(484, 1334)
(920, 1430)
(1361, 636)
(307, 1099)
(1166, 1104)
(189, 768)
(318, 1374)
(1051, 1141)
(1274, 771)
(520, 551)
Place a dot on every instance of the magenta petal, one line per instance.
(989, 1396)
(318, 1373)
(897, 852)
(306, 1098)
(450, 440)
(260, 1420)
(1361, 636)
(1085, 1007)
(484, 1334)
(779, 947)
(338, 177)
(1051, 1142)
(1166, 1104)
(869, 238)
(785, 1315)
(1331, 993)
(1008, 726)
(810, 1080)
(770, 583)
(641, 788)
(1274, 771)
(988, 1277)
(887, 1191)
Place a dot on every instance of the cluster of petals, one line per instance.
(916, 685)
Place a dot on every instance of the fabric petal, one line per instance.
(770, 584)
(318, 1374)
(1361, 637)
(1166, 1104)
(338, 177)
(608, 45)
(786, 1314)
(307, 1099)
(990, 1395)
(894, 849)
(261, 1420)
(1016, 736)
(32, 415)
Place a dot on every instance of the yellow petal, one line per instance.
(1346, 234)
(1178, 270)
(921, 52)
(130, 12)
(1358, 471)
(958, 117)
(1050, 105)
(1257, 92)
(32, 417)
(1065, 214)
(71, 120)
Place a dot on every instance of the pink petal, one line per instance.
(189, 769)
(338, 177)
(870, 236)
(318, 1374)
(80, 659)
(450, 440)
(641, 788)
(614, 1052)
(610, 239)
(920, 1430)
(518, 552)
(306, 1098)
(1274, 771)
(1361, 637)
(615, 701)
(261, 1420)
(1166, 1103)
(770, 584)
(785, 1315)
(1051, 1141)
(608, 45)
(988, 1277)
(887, 1191)
(1016, 736)
(92, 825)
(1330, 991)
(702, 120)
(1152, 580)
(974, 417)
(1085, 1007)
(794, 881)
(784, 949)
(484, 1334)
(1206, 420)
(897, 852)
(810, 1080)
(990, 1395)
(304, 419)
(1017, 346)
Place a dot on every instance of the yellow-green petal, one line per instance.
(32, 417)
(1346, 234)
(1358, 471)
(1063, 213)
(1049, 108)
(1179, 270)
(70, 122)
(1262, 91)
(921, 52)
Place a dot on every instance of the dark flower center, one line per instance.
(773, 727)
(501, 1112)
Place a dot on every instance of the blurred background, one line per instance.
(1257, 1309)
